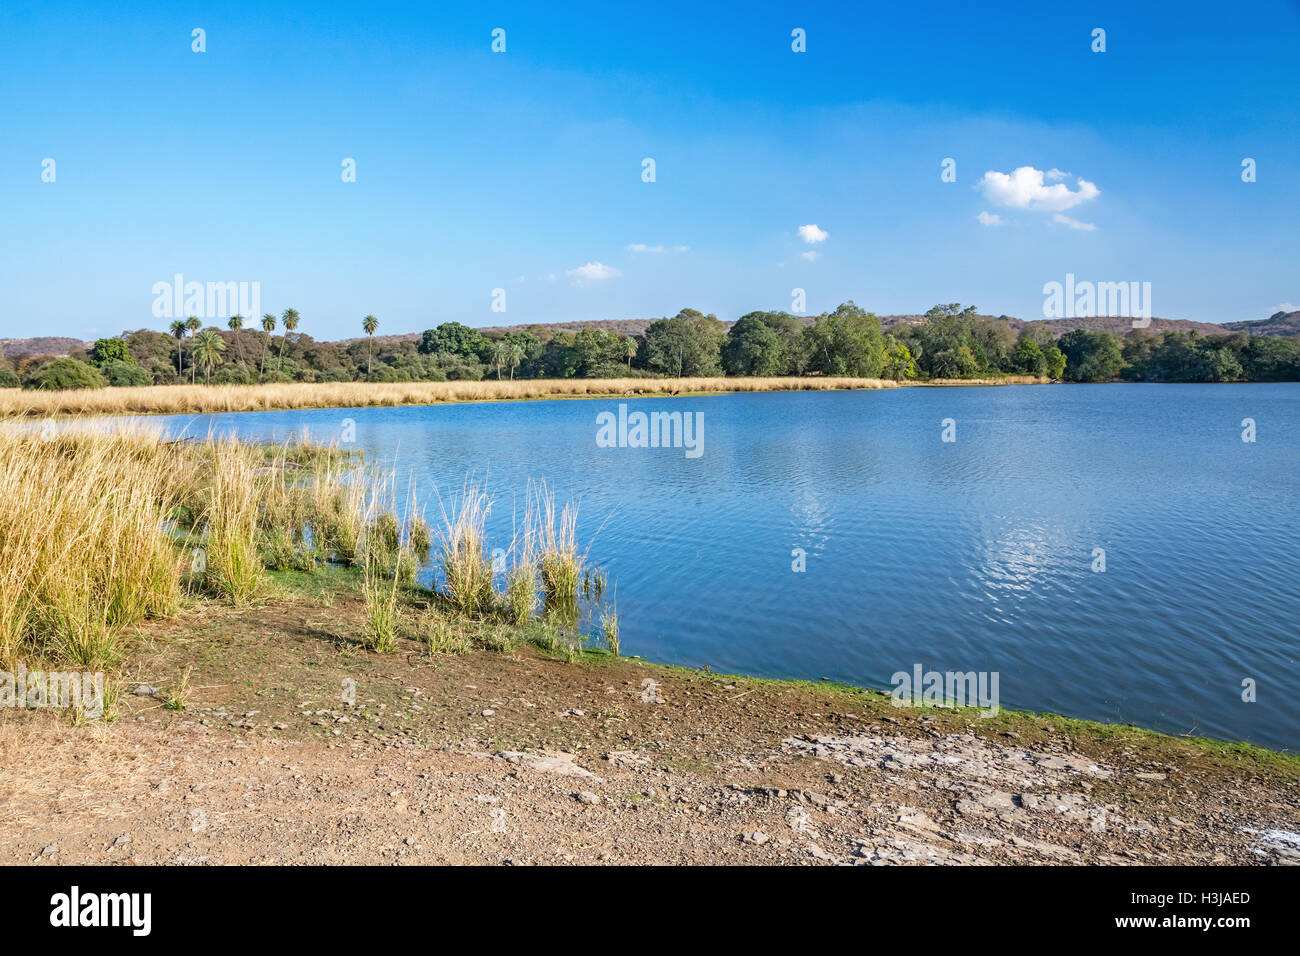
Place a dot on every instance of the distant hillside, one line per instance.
(41, 345)
(1284, 325)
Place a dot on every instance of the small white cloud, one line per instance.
(1023, 188)
(811, 233)
(1284, 307)
(989, 219)
(811, 255)
(591, 273)
(1055, 175)
(1073, 223)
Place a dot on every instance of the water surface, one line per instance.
(972, 555)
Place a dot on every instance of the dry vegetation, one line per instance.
(106, 526)
(205, 399)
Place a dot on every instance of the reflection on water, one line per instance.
(973, 555)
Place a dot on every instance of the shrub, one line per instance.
(8, 379)
(125, 374)
(64, 373)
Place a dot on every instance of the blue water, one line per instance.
(972, 555)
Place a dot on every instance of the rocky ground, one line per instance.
(513, 757)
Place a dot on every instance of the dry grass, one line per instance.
(202, 399)
(466, 566)
(83, 548)
(1005, 380)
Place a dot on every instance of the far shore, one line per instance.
(213, 399)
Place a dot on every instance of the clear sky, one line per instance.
(522, 170)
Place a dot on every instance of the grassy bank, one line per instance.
(205, 399)
(106, 527)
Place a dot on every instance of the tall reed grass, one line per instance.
(83, 550)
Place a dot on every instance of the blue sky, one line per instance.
(520, 170)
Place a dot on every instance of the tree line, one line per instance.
(949, 342)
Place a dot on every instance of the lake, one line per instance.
(976, 554)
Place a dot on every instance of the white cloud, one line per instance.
(1055, 175)
(989, 219)
(811, 255)
(1284, 307)
(642, 247)
(1073, 223)
(1023, 188)
(591, 273)
(811, 233)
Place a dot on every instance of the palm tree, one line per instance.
(178, 330)
(501, 355)
(268, 326)
(368, 325)
(236, 322)
(516, 356)
(290, 319)
(193, 324)
(630, 350)
(208, 346)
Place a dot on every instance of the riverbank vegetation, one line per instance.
(950, 342)
(107, 527)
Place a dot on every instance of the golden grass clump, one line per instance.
(231, 540)
(83, 549)
(559, 562)
(466, 566)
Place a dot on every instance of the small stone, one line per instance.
(586, 796)
(756, 837)
(488, 713)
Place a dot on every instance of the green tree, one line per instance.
(109, 350)
(1028, 358)
(847, 341)
(192, 325)
(1091, 356)
(268, 326)
(235, 323)
(290, 320)
(178, 330)
(500, 355)
(368, 325)
(898, 363)
(208, 346)
(1054, 360)
(453, 338)
(753, 348)
(687, 345)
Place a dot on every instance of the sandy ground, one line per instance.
(512, 757)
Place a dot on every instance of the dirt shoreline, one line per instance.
(515, 757)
